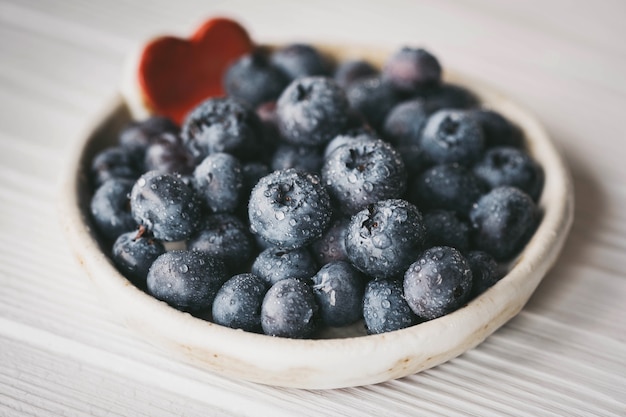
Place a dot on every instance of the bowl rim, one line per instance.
(326, 363)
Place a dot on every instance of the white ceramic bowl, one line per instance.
(351, 359)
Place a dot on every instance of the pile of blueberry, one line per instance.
(319, 194)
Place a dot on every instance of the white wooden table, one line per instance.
(62, 353)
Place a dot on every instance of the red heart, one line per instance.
(177, 74)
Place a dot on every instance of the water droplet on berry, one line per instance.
(279, 215)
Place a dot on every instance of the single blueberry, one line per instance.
(505, 165)
(412, 69)
(311, 111)
(332, 245)
(303, 158)
(273, 265)
(134, 254)
(349, 137)
(114, 162)
(218, 181)
(238, 303)
(452, 136)
(484, 271)
(503, 221)
(254, 79)
(446, 228)
(166, 153)
(373, 99)
(339, 289)
(363, 172)
(110, 208)
(438, 282)
(448, 187)
(139, 135)
(165, 206)
(226, 237)
(222, 125)
(289, 208)
(497, 130)
(349, 71)
(186, 280)
(300, 60)
(289, 310)
(384, 307)
(383, 239)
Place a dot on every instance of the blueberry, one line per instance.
(110, 208)
(137, 136)
(449, 96)
(273, 265)
(445, 228)
(238, 303)
(134, 254)
(165, 206)
(349, 71)
(363, 172)
(497, 130)
(222, 125)
(383, 239)
(384, 307)
(506, 165)
(218, 181)
(166, 153)
(503, 221)
(372, 98)
(438, 282)
(339, 289)
(289, 310)
(332, 245)
(186, 280)
(254, 79)
(226, 237)
(412, 69)
(311, 111)
(289, 208)
(300, 60)
(349, 137)
(447, 187)
(484, 271)
(114, 162)
(452, 136)
(304, 158)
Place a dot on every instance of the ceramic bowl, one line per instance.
(346, 357)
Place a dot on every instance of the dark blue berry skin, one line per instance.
(331, 246)
(506, 165)
(383, 239)
(447, 187)
(484, 271)
(222, 125)
(373, 99)
(270, 138)
(289, 310)
(186, 280)
(300, 60)
(384, 307)
(134, 255)
(166, 153)
(254, 79)
(303, 158)
(311, 111)
(348, 72)
(165, 206)
(289, 208)
(115, 162)
(403, 129)
(339, 289)
(412, 69)
(497, 130)
(238, 303)
(452, 136)
(110, 208)
(226, 237)
(273, 265)
(218, 181)
(438, 282)
(349, 137)
(139, 135)
(449, 96)
(445, 228)
(363, 172)
(503, 221)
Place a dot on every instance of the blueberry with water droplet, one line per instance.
(218, 181)
(238, 303)
(384, 307)
(273, 265)
(484, 271)
(134, 254)
(289, 310)
(110, 208)
(332, 245)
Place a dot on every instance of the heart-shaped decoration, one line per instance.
(174, 75)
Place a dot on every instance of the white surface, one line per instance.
(63, 353)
